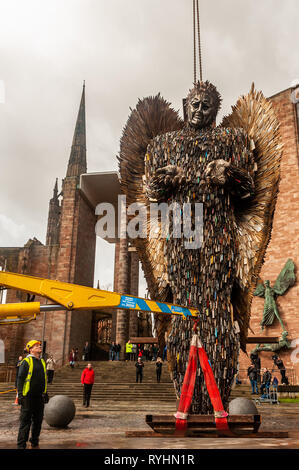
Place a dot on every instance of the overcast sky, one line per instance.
(124, 50)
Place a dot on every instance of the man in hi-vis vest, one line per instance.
(32, 395)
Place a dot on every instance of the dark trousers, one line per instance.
(254, 386)
(31, 416)
(284, 379)
(87, 394)
(265, 386)
(50, 374)
(158, 375)
(139, 374)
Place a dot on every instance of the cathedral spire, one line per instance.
(77, 161)
(52, 237)
(55, 190)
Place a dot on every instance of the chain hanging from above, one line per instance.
(196, 25)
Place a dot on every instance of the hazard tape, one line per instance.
(7, 391)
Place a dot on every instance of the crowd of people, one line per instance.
(147, 352)
(114, 351)
(140, 353)
(74, 355)
(261, 379)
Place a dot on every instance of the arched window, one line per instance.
(2, 352)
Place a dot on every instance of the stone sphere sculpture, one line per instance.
(60, 411)
(242, 406)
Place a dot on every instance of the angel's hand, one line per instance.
(216, 172)
(170, 175)
(164, 181)
(236, 180)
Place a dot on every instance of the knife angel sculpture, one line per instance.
(227, 177)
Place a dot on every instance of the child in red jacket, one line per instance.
(87, 379)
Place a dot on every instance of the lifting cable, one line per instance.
(196, 24)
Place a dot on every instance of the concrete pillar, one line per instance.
(134, 284)
(123, 282)
(115, 289)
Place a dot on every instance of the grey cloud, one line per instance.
(125, 50)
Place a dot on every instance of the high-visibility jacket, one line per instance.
(129, 347)
(26, 386)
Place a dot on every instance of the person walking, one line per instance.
(87, 380)
(252, 374)
(32, 393)
(86, 352)
(50, 362)
(139, 370)
(159, 365)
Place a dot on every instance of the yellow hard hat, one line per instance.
(31, 343)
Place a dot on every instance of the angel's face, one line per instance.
(201, 110)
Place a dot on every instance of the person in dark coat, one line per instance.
(139, 369)
(266, 381)
(32, 395)
(159, 365)
(252, 374)
(278, 362)
(256, 361)
(117, 351)
(86, 351)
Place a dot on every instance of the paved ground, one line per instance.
(92, 429)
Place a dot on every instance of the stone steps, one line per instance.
(243, 391)
(115, 387)
(112, 372)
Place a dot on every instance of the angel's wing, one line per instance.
(151, 117)
(255, 114)
(259, 291)
(285, 279)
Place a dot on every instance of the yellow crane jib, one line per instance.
(19, 312)
(75, 297)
